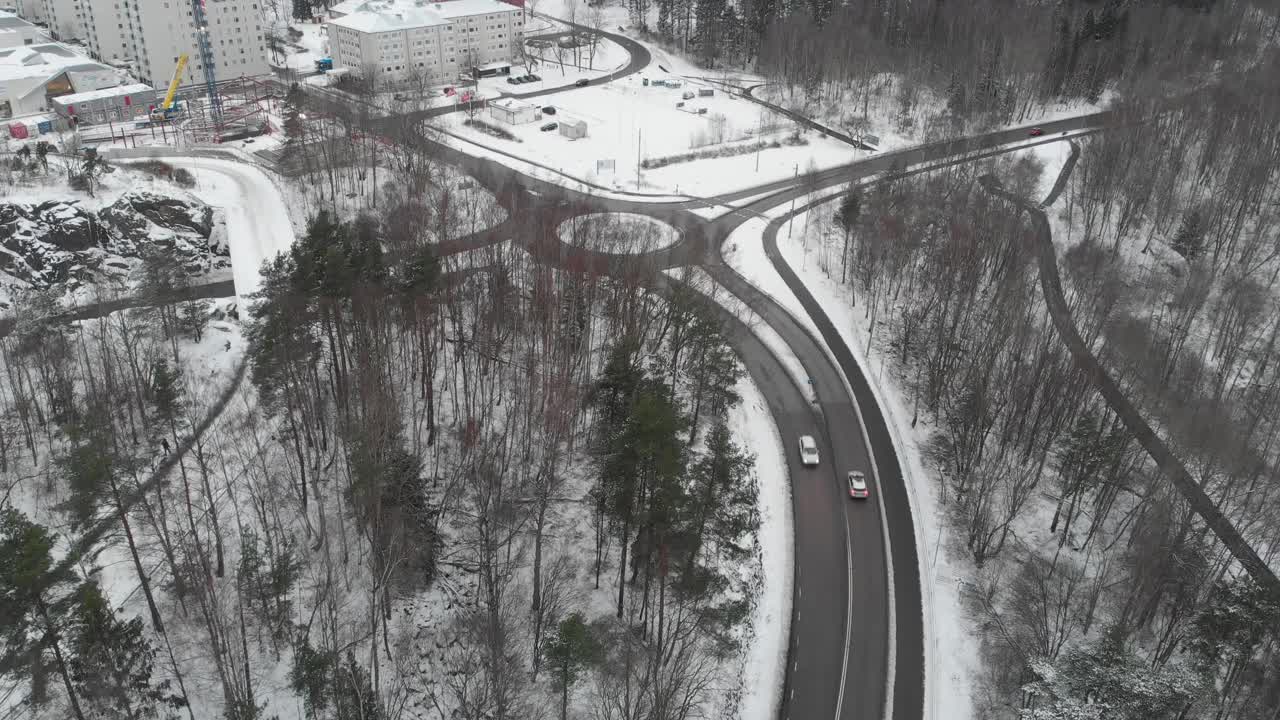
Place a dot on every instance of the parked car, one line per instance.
(549, 127)
(548, 110)
(858, 485)
(513, 80)
(582, 82)
(1036, 132)
(533, 77)
(808, 450)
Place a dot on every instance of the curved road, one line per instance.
(849, 644)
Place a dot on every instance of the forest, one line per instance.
(408, 480)
(1099, 591)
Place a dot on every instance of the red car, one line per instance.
(1036, 132)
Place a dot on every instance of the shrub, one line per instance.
(721, 152)
(494, 130)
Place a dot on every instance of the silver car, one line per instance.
(808, 450)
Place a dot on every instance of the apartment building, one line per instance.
(391, 41)
(147, 36)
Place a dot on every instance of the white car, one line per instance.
(808, 450)
(858, 485)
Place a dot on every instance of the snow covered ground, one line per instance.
(771, 616)
(312, 45)
(645, 234)
(258, 225)
(886, 113)
(628, 122)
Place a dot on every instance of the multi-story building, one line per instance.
(147, 36)
(391, 41)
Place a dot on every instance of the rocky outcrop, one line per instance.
(63, 242)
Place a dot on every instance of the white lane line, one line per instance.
(848, 616)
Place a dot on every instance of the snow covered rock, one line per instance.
(59, 242)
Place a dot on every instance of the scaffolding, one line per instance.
(234, 109)
(206, 56)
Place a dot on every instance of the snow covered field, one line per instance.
(603, 231)
(628, 123)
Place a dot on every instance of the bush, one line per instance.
(494, 130)
(721, 152)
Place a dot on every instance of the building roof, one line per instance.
(27, 68)
(373, 16)
(111, 92)
(508, 103)
(12, 22)
(367, 21)
(466, 8)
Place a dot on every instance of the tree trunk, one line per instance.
(57, 653)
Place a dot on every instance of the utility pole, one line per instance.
(639, 137)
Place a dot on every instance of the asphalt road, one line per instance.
(840, 639)
(842, 574)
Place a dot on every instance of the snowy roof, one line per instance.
(26, 69)
(43, 60)
(368, 21)
(390, 15)
(507, 103)
(103, 93)
(8, 21)
(465, 8)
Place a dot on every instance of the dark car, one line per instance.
(549, 127)
(1036, 132)
(548, 110)
(582, 82)
(533, 77)
(513, 80)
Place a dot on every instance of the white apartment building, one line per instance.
(148, 36)
(394, 40)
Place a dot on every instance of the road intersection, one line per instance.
(857, 646)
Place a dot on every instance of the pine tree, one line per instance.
(32, 607)
(1108, 681)
(723, 507)
(1189, 240)
(572, 648)
(111, 662)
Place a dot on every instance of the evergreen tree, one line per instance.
(1188, 241)
(111, 662)
(1109, 682)
(570, 649)
(33, 594)
(193, 319)
(1235, 638)
(266, 576)
(723, 507)
(333, 688)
